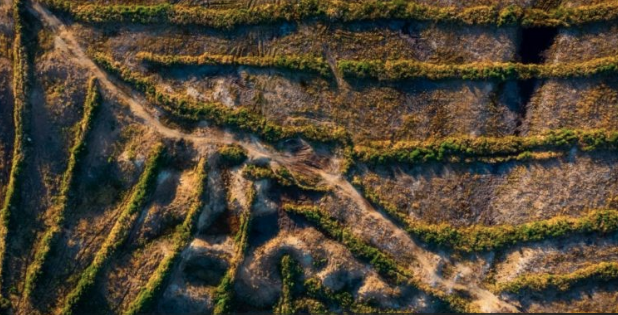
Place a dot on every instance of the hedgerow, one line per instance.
(338, 11)
(76, 152)
(290, 272)
(486, 238)
(395, 70)
(293, 62)
(21, 92)
(224, 294)
(605, 271)
(461, 148)
(240, 118)
(119, 232)
(282, 176)
(385, 265)
(180, 239)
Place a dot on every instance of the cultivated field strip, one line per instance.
(76, 152)
(120, 231)
(601, 272)
(337, 12)
(489, 238)
(183, 107)
(21, 92)
(292, 63)
(149, 294)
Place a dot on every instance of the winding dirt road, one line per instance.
(426, 260)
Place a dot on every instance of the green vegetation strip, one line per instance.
(395, 70)
(458, 148)
(180, 239)
(484, 238)
(605, 271)
(240, 118)
(294, 63)
(224, 295)
(21, 91)
(76, 152)
(290, 272)
(283, 177)
(337, 11)
(385, 265)
(119, 232)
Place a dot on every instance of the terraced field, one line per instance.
(308, 156)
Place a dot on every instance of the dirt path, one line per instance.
(428, 268)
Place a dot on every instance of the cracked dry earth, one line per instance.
(207, 236)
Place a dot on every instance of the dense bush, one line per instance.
(21, 93)
(59, 208)
(232, 155)
(394, 70)
(605, 271)
(458, 148)
(385, 265)
(180, 239)
(338, 11)
(239, 118)
(295, 63)
(119, 232)
(485, 238)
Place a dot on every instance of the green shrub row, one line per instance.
(395, 70)
(21, 91)
(283, 177)
(385, 265)
(338, 11)
(290, 273)
(457, 148)
(294, 62)
(148, 295)
(76, 152)
(223, 298)
(240, 118)
(605, 271)
(486, 238)
(119, 232)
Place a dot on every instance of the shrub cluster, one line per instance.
(395, 70)
(486, 238)
(385, 265)
(457, 148)
(283, 177)
(119, 232)
(180, 239)
(224, 294)
(338, 11)
(76, 152)
(21, 92)
(239, 118)
(294, 62)
(605, 271)
(232, 155)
